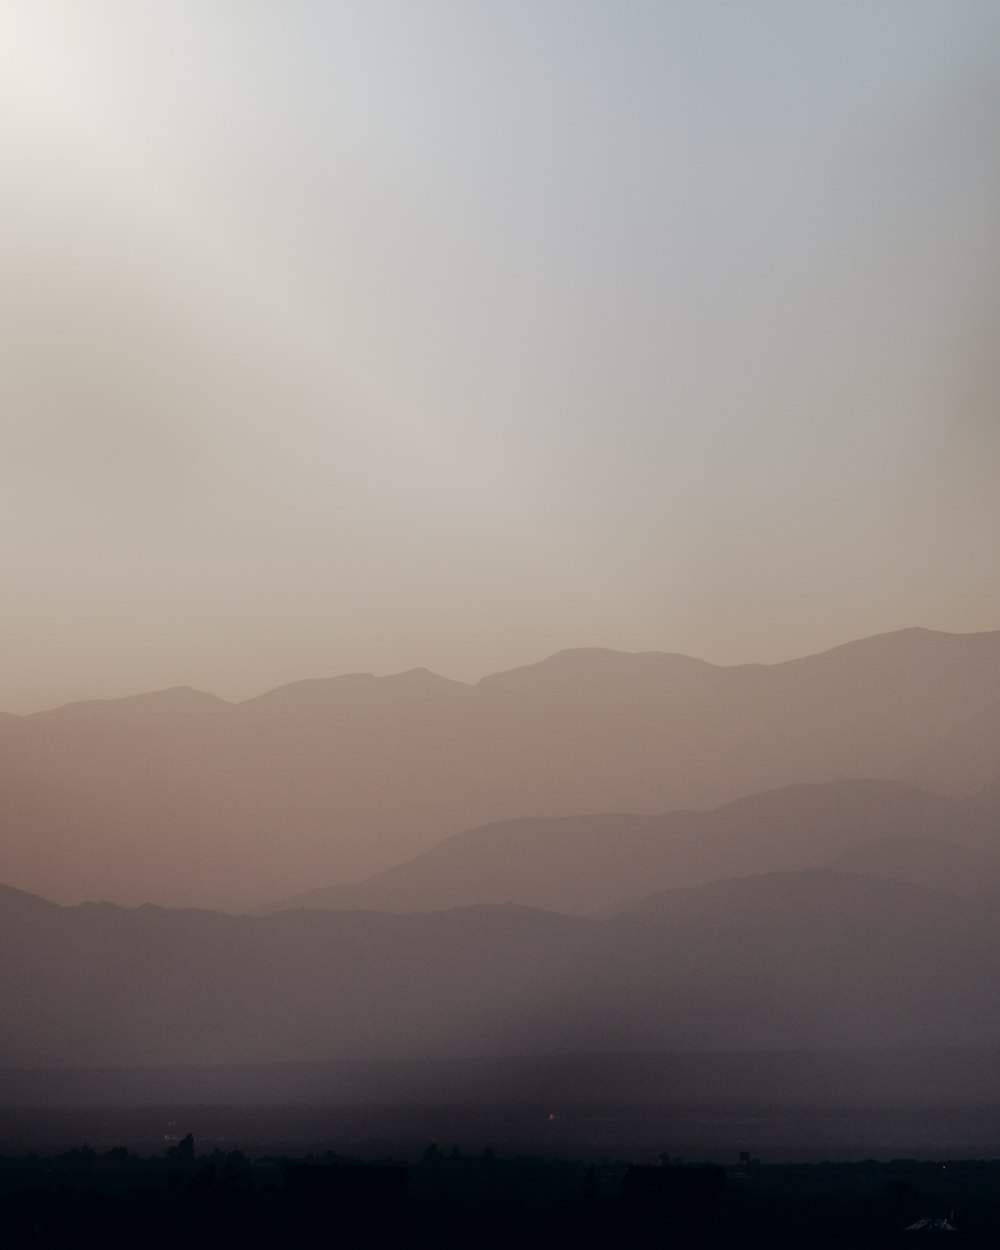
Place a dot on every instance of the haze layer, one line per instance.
(342, 337)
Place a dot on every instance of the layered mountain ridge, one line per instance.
(585, 864)
(819, 959)
(183, 799)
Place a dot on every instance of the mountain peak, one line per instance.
(320, 690)
(588, 664)
(15, 901)
(172, 701)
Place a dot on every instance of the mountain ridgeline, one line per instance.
(182, 799)
(588, 864)
(601, 855)
(814, 960)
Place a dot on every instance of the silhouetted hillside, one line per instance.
(181, 798)
(927, 862)
(964, 760)
(590, 863)
(806, 960)
(16, 905)
(987, 801)
(815, 901)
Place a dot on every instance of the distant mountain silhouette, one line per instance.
(814, 901)
(16, 905)
(809, 960)
(963, 760)
(927, 862)
(987, 801)
(587, 864)
(181, 798)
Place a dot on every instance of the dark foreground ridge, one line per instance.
(446, 1198)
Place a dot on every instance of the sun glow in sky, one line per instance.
(343, 336)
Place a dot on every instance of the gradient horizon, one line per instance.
(348, 337)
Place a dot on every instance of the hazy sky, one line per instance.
(359, 336)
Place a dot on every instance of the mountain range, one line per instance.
(810, 960)
(181, 799)
(586, 864)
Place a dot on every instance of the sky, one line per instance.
(359, 336)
